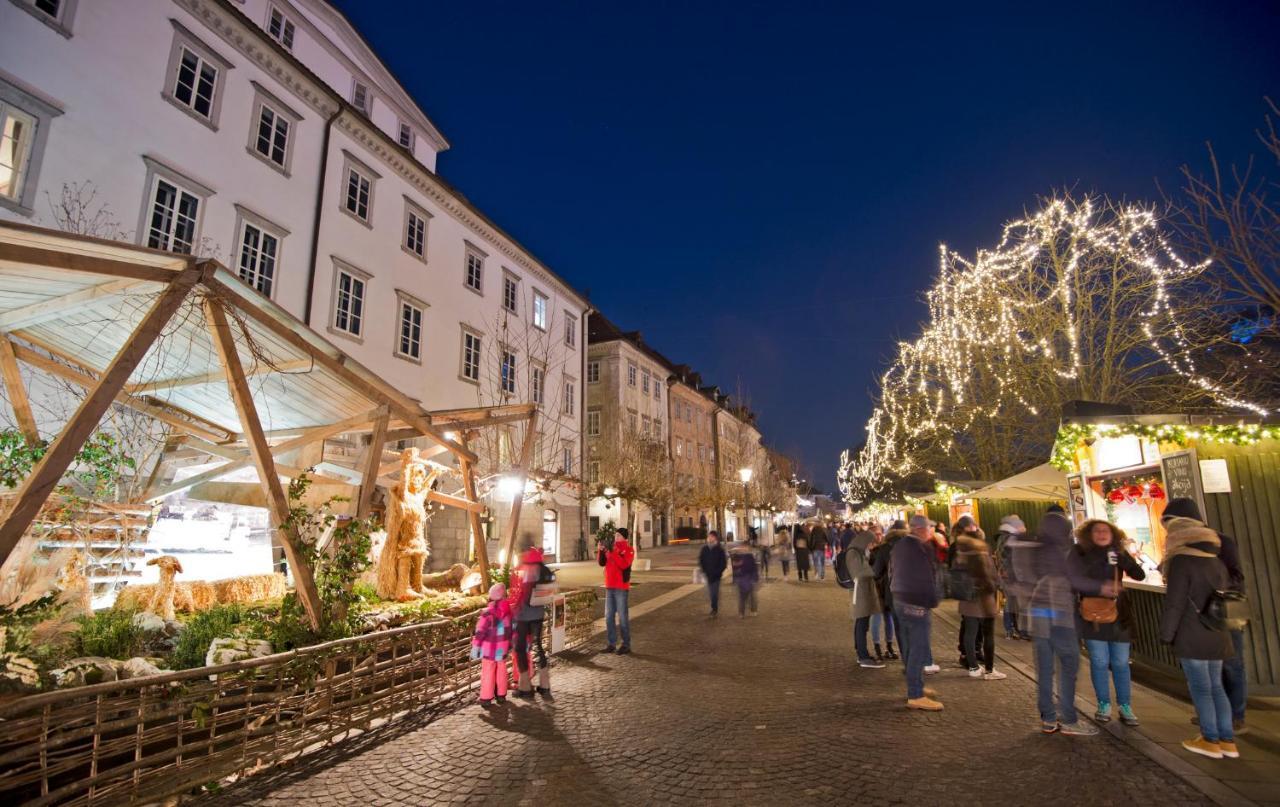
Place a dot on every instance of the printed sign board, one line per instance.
(1214, 477)
(1076, 499)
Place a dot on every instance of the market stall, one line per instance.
(1125, 469)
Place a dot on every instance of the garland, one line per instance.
(1072, 435)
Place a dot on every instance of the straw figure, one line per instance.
(405, 550)
(162, 598)
(77, 592)
(168, 596)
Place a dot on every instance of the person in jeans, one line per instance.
(616, 561)
(784, 551)
(865, 600)
(746, 578)
(1052, 613)
(818, 550)
(1234, 680)
(978, 616)
(914, 596)
(1099, 561)
(800, 545)
(1192, 572)
(712, 561)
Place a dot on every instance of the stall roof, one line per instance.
(1041, 483)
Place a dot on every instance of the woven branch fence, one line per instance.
(144, 739)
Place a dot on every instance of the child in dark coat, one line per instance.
(746, 576)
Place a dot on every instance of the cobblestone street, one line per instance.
(768, 710)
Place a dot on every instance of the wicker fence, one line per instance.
(140, 740)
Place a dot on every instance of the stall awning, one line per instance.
(1041, 483)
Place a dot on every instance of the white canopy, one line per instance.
(1041, 483)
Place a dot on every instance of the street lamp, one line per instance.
(745, 475)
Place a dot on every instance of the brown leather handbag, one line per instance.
(1101, 610)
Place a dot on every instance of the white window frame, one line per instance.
(593, 422)
(17, 100)
(352, 164)
(566, 457)
(508, 383)
(473, 255)
(246, 219)
(356, 86)
(184, 40)
(340, 269)
(158, 171)
(570, 330)
(679, 447)
(288, 31)
(465, 350)
(633, 421)
(541, 310)
(264, 99)
(569, 398)
(408, 304)
(632, 372)
(593, 472)
(510, 293)
(593, 372)
(414, 210)
(413, 136)
(60, 22)
(537, 383)
(657, 389)
(645, 375)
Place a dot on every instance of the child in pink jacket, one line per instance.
(491, 645)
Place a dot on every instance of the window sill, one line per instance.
(472, 381)
(343, 207)
(405, 357)
(16, 206)
(354, 337)
(422, 258)
(56, 25)
(281, 169)
(472, 289)
(168, 96)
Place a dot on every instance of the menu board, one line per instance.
(1181, 476)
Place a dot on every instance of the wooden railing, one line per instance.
(144, 739)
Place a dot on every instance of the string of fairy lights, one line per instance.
(982, 318)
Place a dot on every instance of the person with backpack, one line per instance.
(1194, 577)
(1011, 529)
(978, 614)
(616, 561)
(712, 562)
(529, 618)
(818, 542)
(853, 571)
(1096, 567)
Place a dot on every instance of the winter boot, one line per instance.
(878, 656)
(888, 651)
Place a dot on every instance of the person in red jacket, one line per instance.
(616, 560)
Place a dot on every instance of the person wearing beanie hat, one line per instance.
(529, 618)
(491, 645)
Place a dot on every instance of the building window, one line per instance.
(657, 389)
(570, 397)
(195, 77)
(474, 270)
(593, 372)
(16, 139)
(360, 97)
(679, 447)
(415, 230)
(409, 345)
(633, 421)
(593, 478)
(508, 374)
(644, 382)
(593, 422)
(273, 135)
(470, 356)
(56, 14)
(644, 425)
(259, 252)
(174, 219)
(566, 458)
(570, 330)
(406, 135)
(348, 301)
(657, 428)
(537, 383)
(510, 289)
(631, 374)
(281, 28)
(359, 193)
(539, 311)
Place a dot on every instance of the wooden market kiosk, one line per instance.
(1126, 468)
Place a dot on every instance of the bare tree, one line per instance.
(635, 466)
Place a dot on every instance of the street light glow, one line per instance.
(745, 475)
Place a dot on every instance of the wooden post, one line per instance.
(522, 473)
(473, 518)
(277, 502)
(17, 393)
(372, 462)
(44, 477)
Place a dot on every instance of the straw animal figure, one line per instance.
(75, 586)
(168, 596)
(406, 550)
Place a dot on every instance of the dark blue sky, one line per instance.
(761, 188)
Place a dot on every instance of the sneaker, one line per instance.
(1228, 748)
(994, 675)
(608, 649)
(1204, 748)
(925, 704)
(932, 669)
(975, 672)
(1104, 712)
(1127, 716)
(622, 651)
(870, 664)
(1049, 727)
(1079, 729)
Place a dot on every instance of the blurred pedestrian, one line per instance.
(865, 600)
(967, 527)
(1011, 529)
(491, 645)
(746, 577)
(616, 561)
(785, 552)
(712, 561)
(914, 597)
(528, 624)
(800, 544)
(818, 543)
(1096, 568)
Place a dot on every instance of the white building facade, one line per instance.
(266, 134)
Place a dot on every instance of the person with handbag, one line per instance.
(978, 615)
(1096, 566)
(1194, 576)
(529, 609)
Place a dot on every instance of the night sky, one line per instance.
(761, 188)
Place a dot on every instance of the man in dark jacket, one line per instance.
(818, 550)
(712, 562)
(914, 597)
(1234, 679)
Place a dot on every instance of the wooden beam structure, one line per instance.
(278, 504)
(369, 482)
(456, 501)
(20, 257)
(44, 477)
(521, 472)
(214, 377)
(17, 392)
(56, 307)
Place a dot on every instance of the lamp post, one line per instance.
(745, 475)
